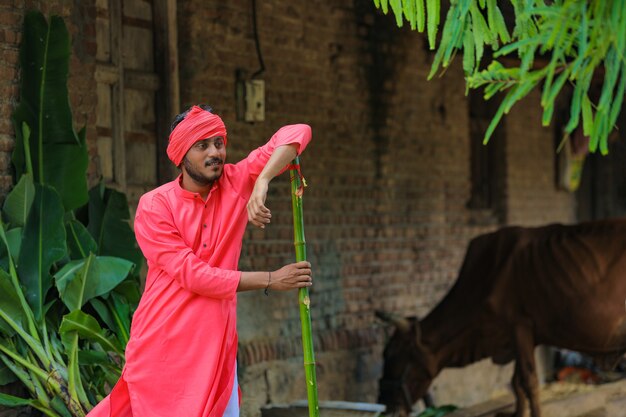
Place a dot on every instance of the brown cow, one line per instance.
(518, 287)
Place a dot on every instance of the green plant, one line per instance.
(577, 40)
(437, 411)
(68, 276)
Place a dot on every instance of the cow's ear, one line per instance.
(403, 325)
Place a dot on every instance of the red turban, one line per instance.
(198, 124)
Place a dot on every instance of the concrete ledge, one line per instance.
(562, 400)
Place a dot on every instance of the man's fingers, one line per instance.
(259, 215)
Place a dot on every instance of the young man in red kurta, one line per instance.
(181, 357)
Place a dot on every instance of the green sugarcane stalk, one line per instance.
(303, 293)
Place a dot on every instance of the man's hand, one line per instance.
(292, 276)
(258, 214)
(289, 277)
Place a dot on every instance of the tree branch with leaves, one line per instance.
(577, 42)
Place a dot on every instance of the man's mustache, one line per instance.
(213, 161)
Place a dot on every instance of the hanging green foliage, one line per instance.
(68, 266)
(578, 41)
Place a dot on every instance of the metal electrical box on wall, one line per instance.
(255, 101)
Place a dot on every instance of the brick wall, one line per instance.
(532, 197)
(388, 173)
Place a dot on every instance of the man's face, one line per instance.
(204, 161)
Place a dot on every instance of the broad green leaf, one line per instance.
(121, 310)
(59, 406)
(130, 290)
(59, 156)
(20, 373)
(19, 200)
(6, 375)
(93, 357)
(66, 167)
(115, 313)
(80, 243)
(14, 241)
(54, 310)
(109, 224)
(43, 243)
(104, 313)
(74, 383)
(13, 401)
(11, 312)
(88, 328)
(81, 280)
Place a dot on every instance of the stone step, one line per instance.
(562, 400)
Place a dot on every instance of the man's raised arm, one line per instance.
(258, 214)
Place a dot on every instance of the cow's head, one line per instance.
(409, 367)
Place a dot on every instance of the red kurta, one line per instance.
(180, 360)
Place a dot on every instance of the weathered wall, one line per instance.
(532, 197)
(388, 172)
(386, 217)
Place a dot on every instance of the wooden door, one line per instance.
(130, 120)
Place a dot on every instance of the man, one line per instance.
(181, 357)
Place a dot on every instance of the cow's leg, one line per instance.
(525, 368)
(518, 390)
(520, 396)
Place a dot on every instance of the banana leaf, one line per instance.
(19, 201)
(116, 313)
(109, 224)
(6, 375)
(81, 280)
(14, 240)
(43, 348)
(59, 155)
(74, 383)
(13, 401)
(43, 243)
(16, 209)
(11, 312)
(79, 242)
(87, 327)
